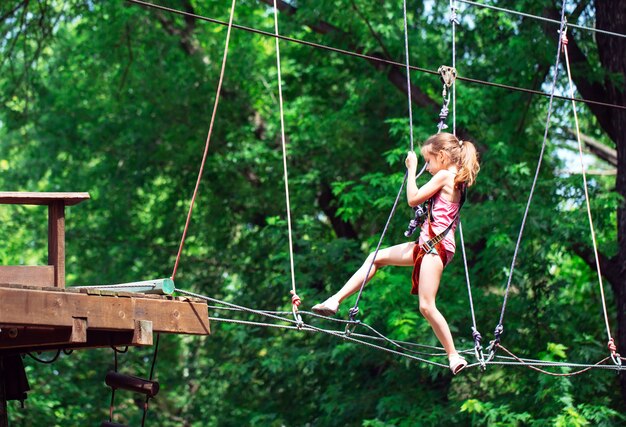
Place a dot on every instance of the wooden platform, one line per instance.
(42, 318)
(52, 274)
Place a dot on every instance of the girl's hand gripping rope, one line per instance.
(411, 160)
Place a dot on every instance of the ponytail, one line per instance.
(468, 164)
(461, 153)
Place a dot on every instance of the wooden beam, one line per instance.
(27, 275)
(56, 241)
(58, 308)
(38, 198)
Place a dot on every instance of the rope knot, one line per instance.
(476, 335)
(353, 312)
(499, 330)
(295, 299)
(612, 346)
(454, 17)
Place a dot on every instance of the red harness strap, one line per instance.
(418, 257)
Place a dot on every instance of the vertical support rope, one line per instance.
(355, 309)
(408, 73)
(500, 328)
(478, 350)
(295, 299)
(584, 174)
(208, 141)
(454, 21)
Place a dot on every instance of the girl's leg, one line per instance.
(430, 276)
(399, 255)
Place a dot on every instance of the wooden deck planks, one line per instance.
(61, 309)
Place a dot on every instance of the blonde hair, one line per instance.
(461, 153)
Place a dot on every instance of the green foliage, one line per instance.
(107, 97)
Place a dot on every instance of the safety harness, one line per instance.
(433, 243)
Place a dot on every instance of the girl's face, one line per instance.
(435, 161)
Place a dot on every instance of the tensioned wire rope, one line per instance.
(405, 346)
(369, 57)
(302, 326)
(540, 18)
(361, 339)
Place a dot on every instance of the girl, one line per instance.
(453, 163)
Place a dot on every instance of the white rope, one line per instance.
(453, 20)
(284, 147)
(585, 186)
(408, 73)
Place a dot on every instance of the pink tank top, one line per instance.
(443, 213)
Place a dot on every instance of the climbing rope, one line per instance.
(611, 342)
(476, 336)
(500, 327)
(448, 78)
(408, 73)
(115, 369)
(355, 309)
(295, 299)
(208, 140)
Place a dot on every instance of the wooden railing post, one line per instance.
(56, 241)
